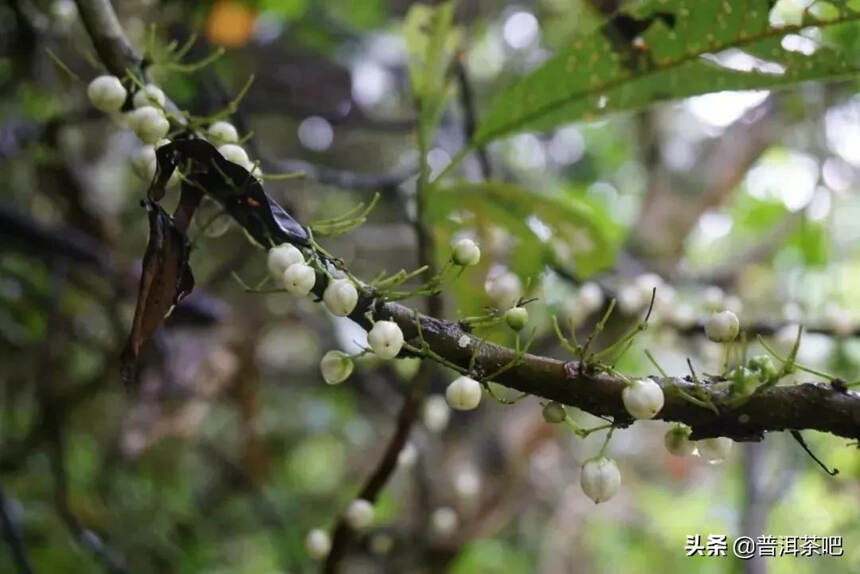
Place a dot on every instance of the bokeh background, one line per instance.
(236, 448)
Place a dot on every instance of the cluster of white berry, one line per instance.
(148, 119)
(643, 399)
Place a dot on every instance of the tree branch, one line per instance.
(114, 49)
(816, 406)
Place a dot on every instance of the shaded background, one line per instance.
(235, 448)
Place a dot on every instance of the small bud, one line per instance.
(764, 366)
(299, 278)
(722, 327)
(554, 412)
(236, 154)
(714, 450)
(464, 394)
(643, 398)
(591, 296)
(336, 367)
(149, 124)
(600, 479)
(466, 253)
(143, 162)
(106, 93)
(222, 133)
(677, 441)
(516, 318)
(503, 289)
(444, 522)
(281, 257)
(149, 95)
(437, 413)
(359, 514)
(318, 544)
(385, 339)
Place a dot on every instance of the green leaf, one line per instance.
(430, 43)
(670, 49)
(565, 230)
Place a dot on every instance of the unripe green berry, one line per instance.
(516, 318)
(466, 253)
(554, 412)
(677, 441)
(336, 367)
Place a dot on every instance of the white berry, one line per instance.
(143, 162)
(677, 441)
(444, 521)
(600, 479)
(646, 283)
(838, 319)
(223, 133)
(408, 455)
(466, 253)
(516, 318)
(340, 297)
(236, 154)
(504, 289)
(591, 296)
(107, 93)
(149, 95)
(722, 327)
(682, 315)
(643, 398)
(715, 449)
(299, 278)
(336, 367)
(713, 297)
(318, 544)
(385, 339)
(629, 299)
(149, 124)
(359, 514)
(437, 413)
(281, 257)
(464, 394)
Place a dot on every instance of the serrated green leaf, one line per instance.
(680, 49)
